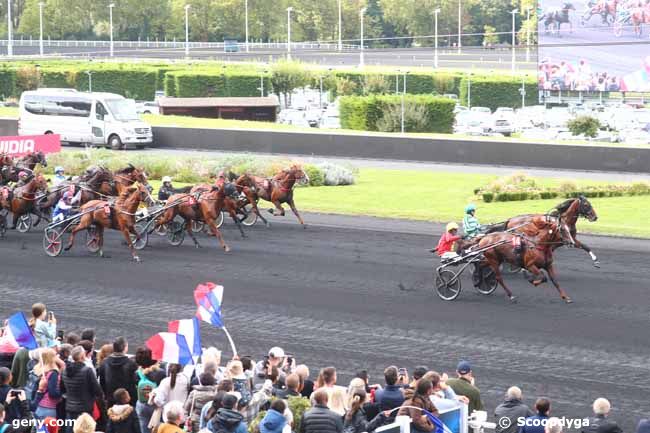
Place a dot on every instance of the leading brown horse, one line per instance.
(531, 249)
(6, 168)
(20, 201)
(118, 216)
(279, 189)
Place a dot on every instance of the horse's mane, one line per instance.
(99, 177)
(126, 170)
(562, 207)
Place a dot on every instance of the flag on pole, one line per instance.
(170, 347)
(208, 297)
(20, 332)
(188, 328)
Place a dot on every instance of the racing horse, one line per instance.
(555, 18)
(531, 249)
(224, 199)
(569, 211)
(30, 161)
(604, 8)
(6, 167)
(20, 200)
(119, 215)
(246, 185)
(279, 189)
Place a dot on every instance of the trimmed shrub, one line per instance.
(7, 83)
(584, 125)
(215, 83)
(496, 91)
(334, 174)
(364, 112)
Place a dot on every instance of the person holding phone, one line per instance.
(43, 325)
(14, 401)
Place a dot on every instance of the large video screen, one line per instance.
(594, 45)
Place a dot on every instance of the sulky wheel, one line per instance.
(175, 233)
(24, 223)
(92, 239)
(447, 285)
(488, 283)
(197, 226)
(142, 230)
(53, 241)
(249, 217)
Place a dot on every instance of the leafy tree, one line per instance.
(489, 38)
(586, 125)
(288, 76)
(415, 118)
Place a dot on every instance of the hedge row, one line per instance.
(7, 83)
(419, 83)
(185, 84)
(365, 112)
(497, 91)
(640, 188)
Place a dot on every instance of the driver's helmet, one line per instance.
(470, 208)
(166, 179)
(23, 175)
(67, 195)
(58, 170)
(451, 226)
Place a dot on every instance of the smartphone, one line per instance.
(402, 372)
(59, 334)
(14, 392)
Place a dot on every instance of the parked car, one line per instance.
(143, 107)
(481, 110)
(330, 122)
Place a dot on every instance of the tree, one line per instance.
(288, 76)
(489, 38)
(586, 125)
(415, 118)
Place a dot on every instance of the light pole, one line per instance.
(397, 81)
(10, 43)
(362, 13)
(514, 42)
(528, 34)
(187, 30)
(522, 91)
(460, 25)
(90, 80)
(262, 83)
(435, 38)
(320, 95)
(469, 91)
(340, 26)
(246, 21)
(289, 9)
(110, 14)
(403, 96)
(40, 26)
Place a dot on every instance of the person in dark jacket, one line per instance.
(12, 410)
(292, 389)
(307, 384)
(118, 371)
(512, 408)
(151, 370)
(392, 395)
(274, 420)
(535, 423)
(80, 385)
(643, 427)
(320, 419)
(465, 385)
(121, 416)
(600, 422)
(356, 420)
(227, 418)
(19, 401)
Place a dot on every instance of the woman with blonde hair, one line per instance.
(355, 420)
(355, 385)
(44, 327)
(336, 402)
(49, 387)
(84, 424)
(104, 352)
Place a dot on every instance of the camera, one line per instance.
(60, 334)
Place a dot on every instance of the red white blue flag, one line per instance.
(19, 330)
(188, 328)
(208, 298)
(170, 347)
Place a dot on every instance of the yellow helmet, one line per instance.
(452, 226)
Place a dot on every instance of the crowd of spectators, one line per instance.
(578, 77)
(105, 389)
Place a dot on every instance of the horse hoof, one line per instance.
(268, 225)
(226, 249)
(568, 300)
(513, 299)
(597, 264)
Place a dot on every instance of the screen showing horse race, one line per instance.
(594, 45)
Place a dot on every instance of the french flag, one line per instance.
(19, 331)
(170, 347)
(208, 297)
(188, 328)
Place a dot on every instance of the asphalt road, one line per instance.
(357, 293)
(471, 56)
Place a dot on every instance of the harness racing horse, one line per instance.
(558, 17)
(6, 168)
(20, 200)
(30, 161)
(279, 189)
(568, 211)
(531, 250)
(118, 216)
(246, 185)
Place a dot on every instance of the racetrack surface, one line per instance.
(357, 293)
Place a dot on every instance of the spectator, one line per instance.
(259, 399)
(356, 420)
(20, 368)
(392, 395)
(88, 348)
(210, 409)
(553, 425)
(64, 353)
(18, 401)
(241, 384)
(227, 418)
(274, 420)
(319, 419)
(118, 371)
(644, 426)
(418, 374)
(464, 385)
(600, 422)
(81, 386)
(543, 408)
(210, 360)
(173, 417)
(209, 367)
(443, 396)
(225, 385)
(292, 387)
(512, 408)
(104, 352)
(420, 422)
(121, 416)
(149, 376)
(84, 423)
(12, 405)
(49, 387)
(174, 387)
(44, 331)
(89, 335)
(307, 384)
(248, 366)
(72, 339)
(337, 400)
(199, 397)
(275, 358)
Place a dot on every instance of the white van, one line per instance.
(101, 119)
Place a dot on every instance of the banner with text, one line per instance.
(23, 145)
